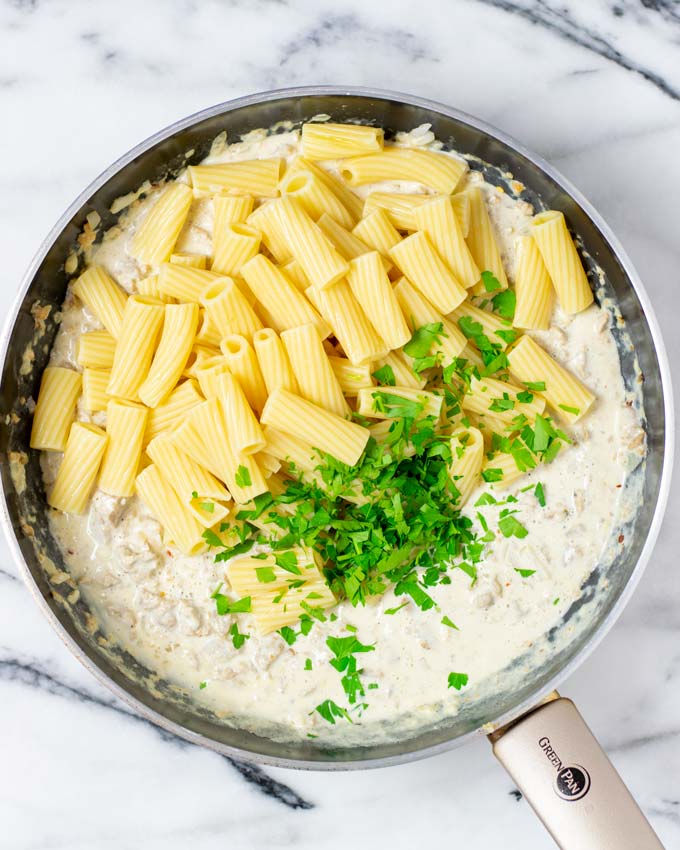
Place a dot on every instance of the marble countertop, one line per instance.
(593, 86)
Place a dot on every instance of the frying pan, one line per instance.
(540, 737)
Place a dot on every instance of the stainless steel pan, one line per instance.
(553, 774)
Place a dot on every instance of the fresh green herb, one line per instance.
(499, 405)
(212, 539)
(490, 475)
(203, 685)
(288, 634)
(385, 376)
(535, 386)
(470, 327)
(565, 407)
(265, 574)
(308, 663)
(504, 304)
(345, 649)
(242, 477)
(237, 638)
(392, 611)
(458, 680)
(490, 281)
(330, 711)
(225, 605)
(396, 407)
(525, 573)
(540, 495)
(288, 562)
(423, 338)
(555, 601)
(447, 622)
(510, 526)
(525, 397)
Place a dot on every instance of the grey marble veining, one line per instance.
(591, 85)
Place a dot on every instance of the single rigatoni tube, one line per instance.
(245, 433)
(438, 220)
(258, 177)
(125, 427)
(332, 434)
(142, 321)
(78, 471)
(378, 232)
(379, 402)
(230, 209)
(533, 287)
(351, 327)
(197, 488)
(167, 415)
(177, 339)
(184, 283)
(467, 448)
(95, 350)
(314, 374)
(153, 242)
(368, 281)
(233, 245)
(244, 366)
(400, 364)
(315, 197)
(181, 526)
(102, 296)
(336, 141)
(491, 396)
(201, 434)
(322, 264)
(529, 363)
(461, 208)
(55, 408)
(265, 219)
(95, 382)
(191, 261)
(490, 322)
(350, 377)
(439, 171)
(286, 305)
(562, 261)
(295, 273)
(229, 309)
(348, 245)
(481, 240)
(299, 456)
(422, 265)
(269, 465)
(339, 188)
(418, 312)
(273, 361)
(397, 206)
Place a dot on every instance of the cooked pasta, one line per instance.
(103, 297)
(371, 287)
(230, 209)
(438, 220)
(339, 188)
(142, 321)
(233, 245)
(125, 427)
(467, 448)
(168, 414)
(191, 261)
(383, 402)
(55, 408)
(334, 141)
(417, 259)
(436, 170)
(399, 207)
(258, 177)
(266, 219)
(323, 430)
(153, 243)
(78, 469)
(350, 377)
(315, 197)
(418, 312)
(497, 330)
(400, 364)
(179, 329)
(347, 243)
(533, 288)
(313, 372)
(184, 283)
(529, 363)
(273, 361)
(181, 526)
(490, 395)
(245, 433)
(228, 309)
(562, 261)
(95, 350)
(95, 382)
(377, 232)
(149, 286)
(482, 241)
(244, 366)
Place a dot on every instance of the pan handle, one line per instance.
(569, 782)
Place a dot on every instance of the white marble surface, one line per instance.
(594, 86)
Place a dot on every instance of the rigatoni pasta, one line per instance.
(55, 408)
(313, 372)
(562, 261)
(422, 265)
(153, 243)
(142, 322)
(333, 141)
(103, 297)
(78, 470)
(259, 177)
(436, 170)
(533, 287)
(179, 329)
(273, 361)
(371, 287)
(125, 428)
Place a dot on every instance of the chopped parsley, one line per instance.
(540, 495)
(385, 376)
(525, 573)
(265, 574)
(490, 281)
(574, 410)
(242, 477)
(308, 663)
(237, 638)
(504, 304)
(448, 622)
(458, 680)
(331, 711)
(225, 605)
(203, 685)
(423, 339)
(535, 386)
(510, 526)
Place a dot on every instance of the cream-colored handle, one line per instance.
(570, 783)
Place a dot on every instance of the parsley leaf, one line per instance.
(423, 338)
(490, 281)
(265, 574)
(458, 680)
(330, 710)
(237, 638)
(525, 573)
(385, 376)
(447, 622)
(225, 605)
(288, 634)
(535, 386)
(504, 304)
(288, 562)
(509, 526)
(540, 495)
(242, 477)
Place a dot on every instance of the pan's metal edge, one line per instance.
(669, 416)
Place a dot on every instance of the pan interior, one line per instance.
(35, 328)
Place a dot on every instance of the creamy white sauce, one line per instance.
(156, 602)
